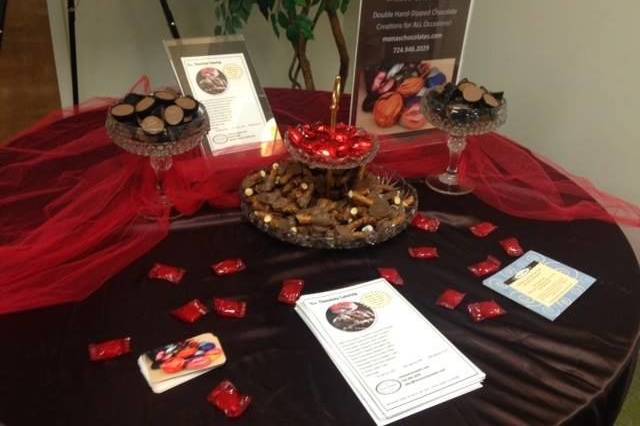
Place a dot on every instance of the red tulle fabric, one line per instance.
(70, 199)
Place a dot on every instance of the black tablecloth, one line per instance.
(575, 369)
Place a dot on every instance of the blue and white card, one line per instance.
(540, 284)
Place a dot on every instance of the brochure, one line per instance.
(394, 359)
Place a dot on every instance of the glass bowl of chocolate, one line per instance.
(461, 110)
(160, 125)
(346, 208)
(343, 147)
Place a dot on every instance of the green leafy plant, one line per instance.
(296, 20)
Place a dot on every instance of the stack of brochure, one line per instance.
(396, 362)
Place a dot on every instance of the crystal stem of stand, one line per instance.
(160, 166)
(456, 146)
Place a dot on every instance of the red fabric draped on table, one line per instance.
(69, 198)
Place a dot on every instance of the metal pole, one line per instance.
(168, 15)
(71, 18)
(3, 12)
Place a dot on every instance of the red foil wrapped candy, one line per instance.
(318, 143)
(228, 267)
(512, 247)
(486, 267)
(191, 312)
(485, 310)
(228, 399)
(423, 252)
(230, 308)
(429, 224)
(392, 275)
(173, 274)
(450, 299)
(483, 229)
(291, 291)
(109, 349)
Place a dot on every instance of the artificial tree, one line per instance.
(297, 19)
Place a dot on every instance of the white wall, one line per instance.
(570, 68)
(119, 40)
(571, 72)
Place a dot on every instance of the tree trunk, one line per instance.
(301, 50)
(341, 44)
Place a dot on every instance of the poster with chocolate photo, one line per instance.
(405, 49)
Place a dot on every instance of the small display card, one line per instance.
(170, 365)
(540, 284)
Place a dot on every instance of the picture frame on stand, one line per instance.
(218, 72)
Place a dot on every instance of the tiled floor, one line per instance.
(630, 414)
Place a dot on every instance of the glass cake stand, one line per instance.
(459, 121)
(333, 240)
(176, 140)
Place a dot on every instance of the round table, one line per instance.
(575, 369)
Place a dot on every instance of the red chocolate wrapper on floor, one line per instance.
(291, 291)
(450, 299)
(429, 224)
(109, 349)
(228, 267)
(512, 247)
(423, 252)
(228, 399)
(484, 310)
(483, 229)
(392, 275)
(486, 267)
(230, 308)
(191, 312)
(173, 274)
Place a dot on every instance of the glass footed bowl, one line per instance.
(335, 241)
(176, 140)
(318, 162)
(462, 119)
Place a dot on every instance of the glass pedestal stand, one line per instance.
(459, 120)
(180, 139)
(160, 166)
(449, 181)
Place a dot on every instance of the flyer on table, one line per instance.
(397, 362)
(223, 84)
(404, 49)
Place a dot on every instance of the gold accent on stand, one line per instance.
(335, 101)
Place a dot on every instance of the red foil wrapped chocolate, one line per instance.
(230, 308)
(291, 291)
(173, 274)
(191, 312)
(423, 252)
(109, 349)
(228, 267)
(392, 275)
(228, 399)
(484, 310)
(483, 229)
(318, 143)
(512, 247)
(425, 223)
(450, 299)
(486, 267)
